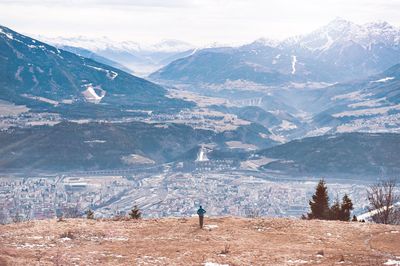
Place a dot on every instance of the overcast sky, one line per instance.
(196, 21)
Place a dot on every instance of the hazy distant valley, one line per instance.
(248, 122)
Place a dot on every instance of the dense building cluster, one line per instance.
(168, 192)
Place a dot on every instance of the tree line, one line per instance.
(320, 209)
(382, 198)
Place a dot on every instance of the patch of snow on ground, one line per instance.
(286, 125)
(294, 60)
(110, 74)
(329, 42)
(210, 226)
(95, 141)
(214, 264)
(8, 35)
(382, 80)
(392, 262)
(297, 261)
(91, 95)
(193, 52)
(41, 99)
(149, 260)
(369, 214)
(116, 238)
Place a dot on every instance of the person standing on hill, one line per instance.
(201, 213)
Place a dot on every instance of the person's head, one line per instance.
(201, 207)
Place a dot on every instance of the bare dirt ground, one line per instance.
(223, 241)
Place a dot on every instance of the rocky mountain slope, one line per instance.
(43, 77)
(362, 154)
(69, 146)
(337, 52)
(95, 146)
(223, 241)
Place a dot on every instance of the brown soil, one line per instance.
(173, 241)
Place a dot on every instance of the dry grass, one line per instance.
(233, 241)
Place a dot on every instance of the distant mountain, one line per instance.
(91, 55)
(219, 65)
(341, 33)
(138, 58)
(46, 78)
(362, 154)
(339, 51)
(354, 50)
(97, 109)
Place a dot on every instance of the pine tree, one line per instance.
(335, 210)
(319, 204)
(90, 214)
(135, 213)
(346, 208)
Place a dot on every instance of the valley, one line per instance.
(78, 131)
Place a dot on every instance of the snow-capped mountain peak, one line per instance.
(170, 46)
(105, 43)
(341, 31)
(92, 44)
(266, 42)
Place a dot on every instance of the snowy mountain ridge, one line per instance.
(342, 31)
(104, 43)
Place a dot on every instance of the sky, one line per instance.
(198, 22)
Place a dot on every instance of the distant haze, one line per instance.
(197, 22)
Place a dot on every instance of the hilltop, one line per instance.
(178, 241)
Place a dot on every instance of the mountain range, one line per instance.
(139, 59)
(338, 86)
(338, 52)
(80, 114)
